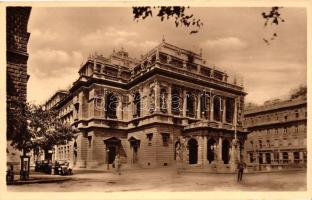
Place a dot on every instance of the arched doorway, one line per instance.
(193, 149)
(211, 150)
(225, 151)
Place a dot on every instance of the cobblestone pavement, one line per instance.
(168, 180)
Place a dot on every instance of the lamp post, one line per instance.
(107, 151)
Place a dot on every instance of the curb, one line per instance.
(252, 172)
(18, 182)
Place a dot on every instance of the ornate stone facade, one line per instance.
(278, 137)
(141, 109)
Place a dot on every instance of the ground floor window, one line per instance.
(285, 157)
(268, 158)
(296, 157)
(251, 158)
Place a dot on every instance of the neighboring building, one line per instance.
(278, 137)
(17, 77)
(141, 110)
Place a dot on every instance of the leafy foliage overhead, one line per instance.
(33, 126)
(273, 17)
(298, 92)
(169, 12)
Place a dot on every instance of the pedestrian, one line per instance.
(117, 164)
(240, 167)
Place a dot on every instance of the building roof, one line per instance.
(276, 105)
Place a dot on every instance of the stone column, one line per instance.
(205, 152)
(200, 150)
(220, 150)
(184, 103)
(235, 112)
(198, 116)
(224, 110)
(263, 158)
(281, 156)
(157, 97)
(211, 108)
(272, 158)
(169, 100)
(119, 108)
(291, 157)
(130, 107)
(301, 157)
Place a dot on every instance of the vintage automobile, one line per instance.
(62, 167)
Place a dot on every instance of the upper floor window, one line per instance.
(285, 130)
(89, 141)
(297, 114)
(276, 131)
(175, 101)
(285, 117)
(149, 136)
(165, 138)
(229, 110)
(190, 104)
(217, 108)
(111, 106)
(260, 143)
(137, 104)
(163, 100)
(296, 129)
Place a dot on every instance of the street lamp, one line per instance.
(107, 150)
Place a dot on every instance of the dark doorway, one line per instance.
(268, 158)
(193, 149)
(211, 150)
(111, 154)
(225, 151)
(113, 146)
(135, 154)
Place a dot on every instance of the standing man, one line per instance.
(117, 163)
(240, 168)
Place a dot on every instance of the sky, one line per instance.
(232, 39)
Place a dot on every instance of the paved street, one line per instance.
(167, 180)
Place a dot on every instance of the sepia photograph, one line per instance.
(136, 98)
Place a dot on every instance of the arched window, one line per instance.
(204, 105)
(193, 151)
(190, 104)
(137, 104)
(217, 108)
(229, 110)
(152, 100)
(175, 101)
(163, 100)
(111, 106)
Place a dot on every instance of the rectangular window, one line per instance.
(268, 143)
(276, 131)
(89, 141)
(285, 157)
(165, 138)
(285, 130)
(251, 158)
(149, 136)
(260, 143)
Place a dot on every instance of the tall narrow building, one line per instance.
(17, 77)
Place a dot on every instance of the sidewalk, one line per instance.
(39, 178)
